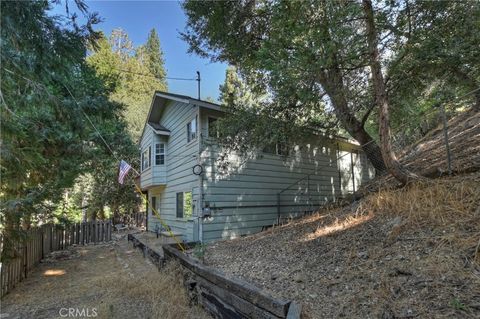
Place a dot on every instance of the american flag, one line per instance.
(124, 168)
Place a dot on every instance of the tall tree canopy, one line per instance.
(313, 56)
(49, 99)
(132, 73)
(155, 56)
(234, 91)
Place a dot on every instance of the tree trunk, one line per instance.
(381, 99)
(332, 82)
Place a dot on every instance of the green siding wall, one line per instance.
(180, 158)
(242, 196)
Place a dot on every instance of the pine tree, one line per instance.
(128, 72)
(154, 58)
(234, 91)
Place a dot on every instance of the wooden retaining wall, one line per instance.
(222, 296)
(45, 239)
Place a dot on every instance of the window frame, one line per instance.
(146, 155)
(192, 135)
(161, 155)
(281, 149)
(177, 210)
(153, 201)
(208, 127)
(180, 210)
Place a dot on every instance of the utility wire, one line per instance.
(156, 77)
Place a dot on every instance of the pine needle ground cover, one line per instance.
(114, 279)
(399, 253)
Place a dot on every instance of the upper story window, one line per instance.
(278, 149)
(160, 154)
(282, 149)
(146, 158)
(192, 130)
(212, 127)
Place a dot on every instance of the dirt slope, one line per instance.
(370, 260)
(400, 253)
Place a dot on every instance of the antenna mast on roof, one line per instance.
(198, 80)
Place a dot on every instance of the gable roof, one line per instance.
(188, 100)
(159, 101)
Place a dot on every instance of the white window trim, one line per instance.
(164, 154)
(195, 118)
(147, 150)
(183, 218)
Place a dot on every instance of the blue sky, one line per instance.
(137, 18)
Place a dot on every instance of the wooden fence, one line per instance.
(134, 219)
(45, 239)
(139, 219)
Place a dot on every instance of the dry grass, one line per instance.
(114, 279)
(161, 293)
(411, 252)
(453, 203)
(439, 201)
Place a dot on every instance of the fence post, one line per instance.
(25, 260)
(43, 241)
(445, 134)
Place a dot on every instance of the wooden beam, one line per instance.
(237, 287)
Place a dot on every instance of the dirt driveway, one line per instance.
(110, 280)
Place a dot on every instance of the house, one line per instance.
(203, 199)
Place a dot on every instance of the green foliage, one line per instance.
(312, 58)
(235, 91)
(154, 56)
(132, 74)
(187, 205)
(199, 250)
(457, 304)
(47, 93)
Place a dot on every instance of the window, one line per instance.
(184, 205)
(179, 205)
(192, 130)
(159, 154)
(282, 149)
(277, 149)
(146, 158)
(212, 127)
(154, 205)
(270, 149)
(187, 204)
